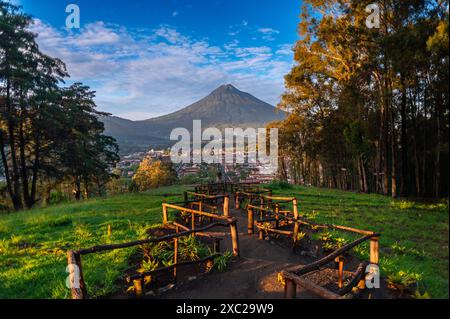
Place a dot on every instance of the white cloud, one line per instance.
(175, 13)
(145, 73)
(268, 33)
(285, 49)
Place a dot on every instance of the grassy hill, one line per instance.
(33, 244)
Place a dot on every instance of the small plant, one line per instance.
(340, 242)
(190, 249)
(418, 295)
(311, 216)
(399, 250)
(162, 252)
(325, 237)
(329, 242)
(301, 236)
(221, 262)
(148, 266)
(402, 205)
(403, 280)
(141, 231)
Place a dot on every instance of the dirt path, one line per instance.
(253, 275)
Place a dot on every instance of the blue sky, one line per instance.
(149, 58)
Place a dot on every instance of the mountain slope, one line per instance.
(224, 107)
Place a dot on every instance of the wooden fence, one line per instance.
(230, 221)
(78, 285)
(294, 276)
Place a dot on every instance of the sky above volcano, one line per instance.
(149, 58)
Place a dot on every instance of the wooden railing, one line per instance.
(232, 222)
(269, 211)
(207, 201)
(293, 276)
(250, 196)
(76, 277)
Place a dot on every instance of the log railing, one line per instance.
(208, 201)
(269, 211)
(250, 196)
(294, 276)
(232, 222)
(76, 277)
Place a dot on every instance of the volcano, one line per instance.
(225, 107)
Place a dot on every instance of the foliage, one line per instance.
(153, 174)
(368, 106)
(191, 249)
(221, 262)
(48, 134)
(301, 236)
(403, 280)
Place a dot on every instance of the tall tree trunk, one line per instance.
(77, 188)
(36, 164)
(393, 157)
(404, 178)
(23, 160)
(437, 163)
(12, 194)
(12, 146)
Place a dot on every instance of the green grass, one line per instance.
(33, 244)
(414, 236)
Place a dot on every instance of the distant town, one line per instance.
(246, 172)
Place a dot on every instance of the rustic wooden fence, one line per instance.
(78, 285)
(79, 290)
(205, 201)
(295, 276)
(230, 221)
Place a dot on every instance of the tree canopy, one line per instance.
(369, 106)
(47, 133)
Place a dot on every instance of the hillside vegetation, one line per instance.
(33, 244)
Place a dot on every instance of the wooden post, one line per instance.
(295, 234)
(77, 285)
(296, 223)
(290, 289)
(236, 200)
(165, 215)
(261, 234)
(295, 207)
(340, 261)
(175, 256)
(138, 288)
(251, 223)
(193, 223)
(226, 205)
(235, 239)
(374, 246)
(277, 210)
